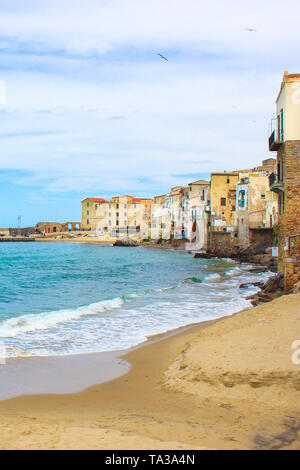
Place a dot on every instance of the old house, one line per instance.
(197, 209)
(89, 218)
(285, 140)
(124, 215)
(223, 202)
(256, 209)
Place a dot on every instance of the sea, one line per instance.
(65, 298)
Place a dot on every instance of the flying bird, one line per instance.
(162, 56)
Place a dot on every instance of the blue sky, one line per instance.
(92, 110)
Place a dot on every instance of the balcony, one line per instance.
(275, 185)
(273, 143)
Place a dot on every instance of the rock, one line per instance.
(296, 288)
(204, 255)
(125, 242)
(265, 297)
(259, 269)
(250, 297)
(247, 284)
(274, 283)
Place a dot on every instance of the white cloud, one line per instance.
(72, 67)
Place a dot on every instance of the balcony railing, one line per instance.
(274, 143)
(275, 185)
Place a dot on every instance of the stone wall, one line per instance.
(222, 243)
(289, 219)
(262, 237)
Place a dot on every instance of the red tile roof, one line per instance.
(96, 199)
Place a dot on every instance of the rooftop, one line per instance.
(95, 199)
(288, 78)
(199, 182)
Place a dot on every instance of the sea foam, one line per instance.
(45, 320)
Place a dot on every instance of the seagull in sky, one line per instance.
(162, 56)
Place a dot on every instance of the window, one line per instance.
(223, 201)
(88, 222)
(228, 180)
(87, 212)
(280, 126)
(263, 196)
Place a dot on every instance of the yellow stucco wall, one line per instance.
(223, 185)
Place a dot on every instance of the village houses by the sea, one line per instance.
(254, 209)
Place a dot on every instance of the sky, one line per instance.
(88, 108)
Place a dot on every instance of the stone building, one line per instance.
(197, 210)
(56, 227)
(256, 207)
(285, 139)
(160, 218)
(89, 206)
(223, 201)
(122, 215)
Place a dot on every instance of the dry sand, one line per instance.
(230, 384)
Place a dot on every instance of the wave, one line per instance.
(45, 320)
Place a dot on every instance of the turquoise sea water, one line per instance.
(66, 298)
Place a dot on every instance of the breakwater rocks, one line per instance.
(254, 254)
(126, 242)
(274, 287)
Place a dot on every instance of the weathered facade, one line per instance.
(223, 201)
(285, 139)
(122, 215)
(56, 227)
(256, 206)
(89, 206)
(197, 209)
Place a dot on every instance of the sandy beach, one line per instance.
(229, 384)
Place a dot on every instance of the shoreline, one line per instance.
(152, 407)
(30, 369)
(161, 404)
